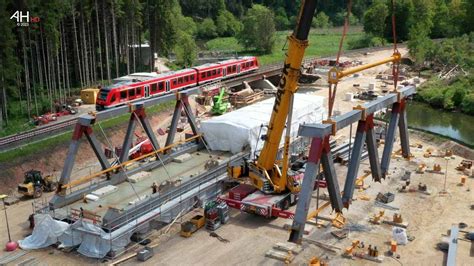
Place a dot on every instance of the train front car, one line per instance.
(104, 98)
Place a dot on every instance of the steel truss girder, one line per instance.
(320, 152)
(137, 114)
(83, 128)
(182, 103)
(364, 134)
(320, 134)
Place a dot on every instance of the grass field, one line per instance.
(321, 43)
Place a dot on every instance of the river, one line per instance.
(457, 126)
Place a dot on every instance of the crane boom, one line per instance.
(264, 170)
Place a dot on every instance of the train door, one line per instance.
(147, 91)
(238, 68)
(167, 85)
(224, 71)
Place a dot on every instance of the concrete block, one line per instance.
(104, 191)
(182, 158)
(138, 177)
(92, 197)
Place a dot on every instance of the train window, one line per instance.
(208, 73)
(112, 99)
(214, 72)
(123, 94)
(247, 64)
(131, 92)
(180, 80)
(251, 63)
(139, 90)
(192, 77)
(174, 82)
(154, 87)
(162, 86)
(186, 79)
(234, 68)
(203, 75)
(219, 71)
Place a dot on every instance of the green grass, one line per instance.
(321, 43)
(56, 141)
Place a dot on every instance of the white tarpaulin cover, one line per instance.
(46, 232)
(240, 129)
(93, 242)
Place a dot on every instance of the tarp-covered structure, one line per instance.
(241, 129)
(90, 239)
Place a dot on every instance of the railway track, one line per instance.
(27, 137)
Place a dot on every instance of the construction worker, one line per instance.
(154, 188)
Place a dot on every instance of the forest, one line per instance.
(68, 45)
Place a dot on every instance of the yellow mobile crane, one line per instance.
(276, 188)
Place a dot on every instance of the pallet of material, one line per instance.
(239, 101)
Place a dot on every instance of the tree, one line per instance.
(374, 19)
(321, 20)
(9, 64)
(419, 44)
(227, 25)
(259, 29)
(207, 29)
(340, 17)
(186, 49)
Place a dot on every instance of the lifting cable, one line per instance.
(333, 87)
(395, 65)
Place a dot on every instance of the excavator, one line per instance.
(275, 182)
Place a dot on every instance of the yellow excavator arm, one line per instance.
(265, 173)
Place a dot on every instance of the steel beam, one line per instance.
(354, 163)
(127, 142)
(403, 128)
(389, 139)
(83, 127)
(322, 130)
(310, 174)
(174, 122)
(453, 246)
(182, 104)
(373, 153)
(331, 179)
(98, 150)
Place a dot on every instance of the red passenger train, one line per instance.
(145, 85)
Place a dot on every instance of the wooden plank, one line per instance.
(325, 246)
(11, 257)
(402, 225)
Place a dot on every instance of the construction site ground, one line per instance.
(250, 236)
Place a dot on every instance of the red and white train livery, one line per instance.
(144, 85)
